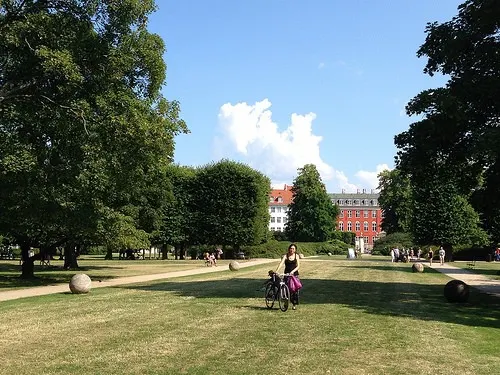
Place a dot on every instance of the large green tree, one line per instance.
(231, 205)
(83, 126)
(311, 215)
(458, 130)
(177, 227)
(442, 216)
(396, 201)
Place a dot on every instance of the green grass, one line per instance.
(96, 267)
(489, 269)
(355, 317)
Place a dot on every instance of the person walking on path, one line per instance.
(430, 255)
(442, 253)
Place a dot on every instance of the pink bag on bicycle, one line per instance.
(294, 284)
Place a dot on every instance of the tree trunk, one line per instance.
(70, 253)
(182, 251)
(28, 263)
(176, 252)
(109, 254)
(164, 251)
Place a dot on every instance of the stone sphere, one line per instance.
(80, 283)
(234, 265)
(417, 267)
(456, 291)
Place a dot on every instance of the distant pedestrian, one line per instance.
(430, 255)
(442, 253)
(419, 253)
(391, 253)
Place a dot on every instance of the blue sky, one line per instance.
(278, 84)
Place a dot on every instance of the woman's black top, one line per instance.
(290, 265)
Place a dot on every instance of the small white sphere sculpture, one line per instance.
(80, 284)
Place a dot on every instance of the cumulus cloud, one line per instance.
(248, 133)
(370, 179)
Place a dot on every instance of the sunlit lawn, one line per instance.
(356, 317)
(96, 267)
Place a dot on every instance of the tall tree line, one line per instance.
(448, 160)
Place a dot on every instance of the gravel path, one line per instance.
(63, 288)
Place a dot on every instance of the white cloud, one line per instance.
(370, 179)
(248, 133)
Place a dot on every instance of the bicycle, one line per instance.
(277, 289)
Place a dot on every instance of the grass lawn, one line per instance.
(356, 317)
(488, 269)
(95, 267)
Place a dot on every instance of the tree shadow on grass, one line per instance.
(44, 275)
(416, 301)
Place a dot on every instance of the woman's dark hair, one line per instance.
(292, 244)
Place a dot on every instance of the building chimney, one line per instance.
(343, 191)
(364, 191)
(358, 191)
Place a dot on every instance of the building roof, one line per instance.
(285, 194)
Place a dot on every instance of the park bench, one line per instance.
(471, 264)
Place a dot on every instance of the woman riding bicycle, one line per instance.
(292, 265)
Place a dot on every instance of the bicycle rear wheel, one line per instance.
(270, 296)
(284, 297)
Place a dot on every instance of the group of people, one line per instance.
(405, 255)
(211, 258)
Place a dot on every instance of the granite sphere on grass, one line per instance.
(456, 291)
(80, 284)
(417, 267)
(234, 265)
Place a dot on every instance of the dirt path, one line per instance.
(480, 282)
(62, 288)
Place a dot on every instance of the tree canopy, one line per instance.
(84, 128)
(454, 144)
(311, 215)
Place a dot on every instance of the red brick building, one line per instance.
(359, 213)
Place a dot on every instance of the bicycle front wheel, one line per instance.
(270, 296)
(284, 297)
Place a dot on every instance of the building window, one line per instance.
(341, 202)
(278, 219)
(366, 240)
(356, 202)
(374, 213)
(341, 214)
(278, 209)
(349, 226)
(358, 226)
(284, 219)
(341, 226)
(278, 229)
(273, 209)
(365, 213)
(280, 199)
(374, 239)
(382, 214)
(349, 213)
(273, 220)
(273, 229)
(357, 213)
(374, 226)
(348, 202)
(365, 226)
